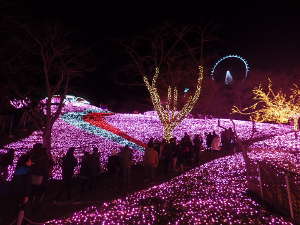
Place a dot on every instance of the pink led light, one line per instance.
(210, 194)
(143, 127)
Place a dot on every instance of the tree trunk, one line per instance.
(47, 138)
(168, 132)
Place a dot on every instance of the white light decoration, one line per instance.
(18, 104)
(186, 90)
(168, 114)
(69, 99)
(228, 57)
(228, 78)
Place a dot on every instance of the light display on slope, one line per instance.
(272, 107)
(71, 130)
(214, 193)
(168, 115)
(98, 120)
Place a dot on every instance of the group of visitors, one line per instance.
(88, 172)
(119, 165)
(213, 141)
(224, 141)
(31, 177)
(228, 138)
(176, 156)
(168, 156)
(33, 169)
(171, 156)
(164, 157)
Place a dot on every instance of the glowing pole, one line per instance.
(168, 114)
(228, 78)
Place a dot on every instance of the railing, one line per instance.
(276, 186)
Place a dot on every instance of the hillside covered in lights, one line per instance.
(214, 193)
(84, 126)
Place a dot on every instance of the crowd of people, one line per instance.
(33, 169)
(173, 156)
(226, 139)
(30, 178)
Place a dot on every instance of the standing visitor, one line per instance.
(95, 168)
(114, 167)
(150, 163)
(216, 143)
(68, 165)
(21, 185)
(126, 163)
(40, 170)
(85, 172)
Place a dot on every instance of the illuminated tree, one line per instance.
(176, 49)
(169, 116)
(269, 106)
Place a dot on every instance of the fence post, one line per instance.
(260, 181)
(288, 188)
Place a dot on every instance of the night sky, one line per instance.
(266, 34)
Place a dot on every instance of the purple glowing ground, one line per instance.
(141, 127)
(200, 126)
(210, 194)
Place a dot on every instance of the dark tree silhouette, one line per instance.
(177, 50)
(44, 62)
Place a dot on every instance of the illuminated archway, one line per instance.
(227, 57)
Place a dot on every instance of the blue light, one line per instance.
(75, 119)
(227, 57)
(186, 90)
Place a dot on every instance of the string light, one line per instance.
(213, 193)
(228, 57)
(168, 115)
(73, 129)
(272, 107)
(296, 121)
(94, 122)
(18, 104)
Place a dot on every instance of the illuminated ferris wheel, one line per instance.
(228, 76)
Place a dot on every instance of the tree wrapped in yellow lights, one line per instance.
(169, 115)
(272, 107)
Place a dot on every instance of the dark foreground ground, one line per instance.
(106, 190)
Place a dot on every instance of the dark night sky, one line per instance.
(266, 34)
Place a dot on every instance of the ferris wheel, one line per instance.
(228, 78)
